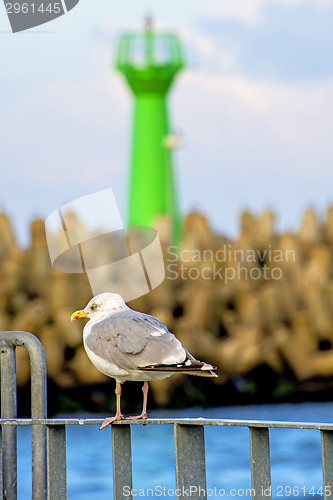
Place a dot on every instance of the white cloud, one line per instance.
(292, 3)
(243, 10)
(79, 126)
(249, 11)
(204, 48)
(257, 121)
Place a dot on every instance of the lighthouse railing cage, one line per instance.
(139, 54)
(49, 480)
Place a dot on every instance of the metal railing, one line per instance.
(8, 435)
(49, 440)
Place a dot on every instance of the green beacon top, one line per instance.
(149, 62)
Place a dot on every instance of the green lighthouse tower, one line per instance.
(149, 62)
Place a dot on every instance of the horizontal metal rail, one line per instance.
(264, 424)
(189, 452)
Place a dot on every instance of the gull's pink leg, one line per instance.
(118, 415)
(143, 415)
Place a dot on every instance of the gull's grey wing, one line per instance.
(131, 340)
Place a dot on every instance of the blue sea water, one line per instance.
(295, 455)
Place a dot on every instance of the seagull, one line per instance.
(128, 345)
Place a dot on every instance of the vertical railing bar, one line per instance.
(190, 461)
(38, 410)
(38, 406)
(8, 410)
(122, 462)
(56, 462)
(1, 463)
(327, 462)
(260, 463)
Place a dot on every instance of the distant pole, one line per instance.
(149, 62)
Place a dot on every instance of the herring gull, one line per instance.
(131, 346)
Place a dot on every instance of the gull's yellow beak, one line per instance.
(78, 315)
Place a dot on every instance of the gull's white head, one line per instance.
(103, 303)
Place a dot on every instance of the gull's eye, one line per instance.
(93, 307)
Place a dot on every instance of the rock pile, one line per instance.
(264, 299)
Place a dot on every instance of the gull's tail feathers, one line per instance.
(189, 367)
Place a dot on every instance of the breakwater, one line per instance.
(259, 307)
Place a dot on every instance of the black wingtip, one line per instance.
(189, 367)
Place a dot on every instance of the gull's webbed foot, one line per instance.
(143, 416)
(110, 420)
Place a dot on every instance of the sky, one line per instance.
(254, 107)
